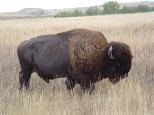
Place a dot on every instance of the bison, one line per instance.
(82, 56)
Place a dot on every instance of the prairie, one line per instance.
(131, 96)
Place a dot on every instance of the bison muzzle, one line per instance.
(82, 55)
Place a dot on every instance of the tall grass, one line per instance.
(131, 96)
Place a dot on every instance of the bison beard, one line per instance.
(84, 56)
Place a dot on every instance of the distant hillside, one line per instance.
(133, 4)
(38, 12)
(48, 12)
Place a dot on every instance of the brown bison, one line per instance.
(82, 56)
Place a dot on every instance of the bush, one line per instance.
(143, 8)
(111, 7)
(93, 11)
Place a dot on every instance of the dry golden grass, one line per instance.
(131, 96)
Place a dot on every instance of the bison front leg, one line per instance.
(70, 84)
(87, 87)
(86, 84)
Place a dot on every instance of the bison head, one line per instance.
(117, 61)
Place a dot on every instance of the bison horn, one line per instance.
(110, 53)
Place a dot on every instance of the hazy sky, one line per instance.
(15, 5)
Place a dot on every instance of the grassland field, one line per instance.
(131, 96)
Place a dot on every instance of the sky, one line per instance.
(15, 5)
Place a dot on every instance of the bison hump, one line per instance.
(86, 51)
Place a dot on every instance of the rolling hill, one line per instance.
(38, 12)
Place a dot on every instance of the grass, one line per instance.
(131, 96)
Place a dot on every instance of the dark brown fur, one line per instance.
(80, 54)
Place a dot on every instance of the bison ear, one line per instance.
(110, 50)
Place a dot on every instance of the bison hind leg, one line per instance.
(24, 78)
(70, 84)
